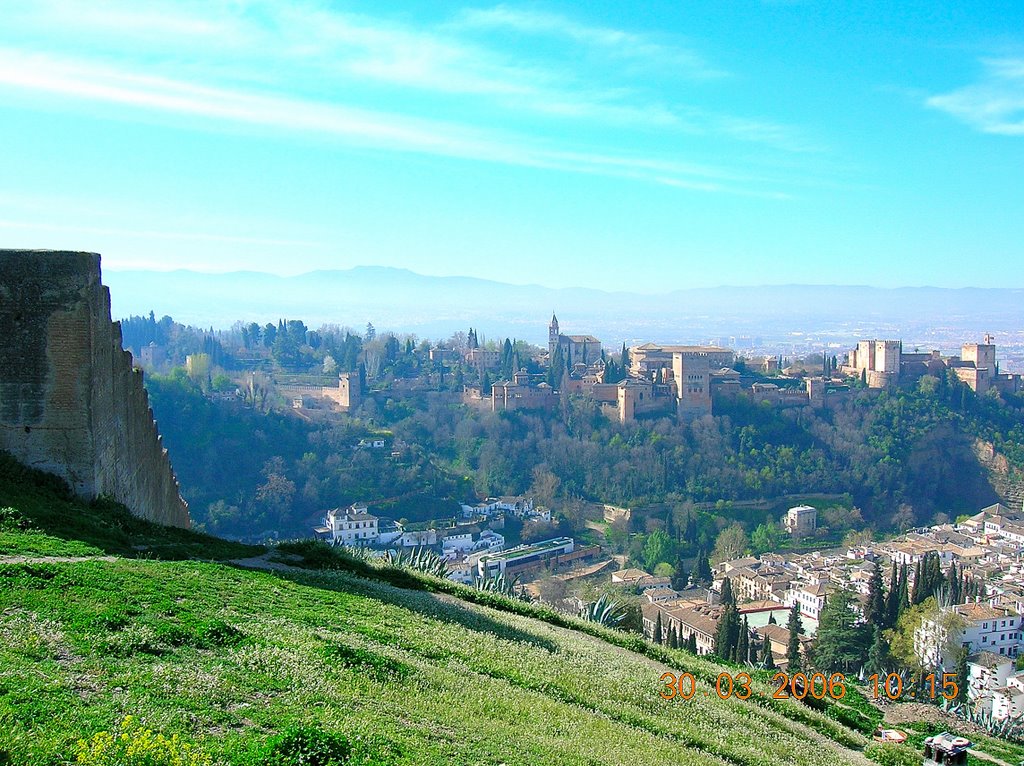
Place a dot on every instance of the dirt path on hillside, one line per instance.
(54, 559)
(265, 561)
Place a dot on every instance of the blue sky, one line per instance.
(613, 145)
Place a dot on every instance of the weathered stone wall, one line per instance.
(70, 401)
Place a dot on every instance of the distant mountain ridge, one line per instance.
(434, 306)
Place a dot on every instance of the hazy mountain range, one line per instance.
(434, 307)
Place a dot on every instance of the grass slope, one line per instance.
(226, 657)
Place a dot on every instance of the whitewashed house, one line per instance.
(984, 628)
(418, 539)
(351, 526)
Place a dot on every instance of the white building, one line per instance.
(517, 505)
(419, 538)
(489, 542)
(351, 526)
(493, 564)
(801, 520)
(982, 628)
(456, 541)
(995, 686)
(811, 599)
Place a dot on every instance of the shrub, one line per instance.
(305, 746)
(888, 754)
(12, 519)
(379, 666)
(135, 745)
(212, 633)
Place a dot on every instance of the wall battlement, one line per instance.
(71, 402)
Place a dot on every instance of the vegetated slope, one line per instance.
(225, 657)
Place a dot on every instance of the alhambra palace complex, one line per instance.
(687, 380)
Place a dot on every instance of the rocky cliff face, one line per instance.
(1006, 479)
(70, 401)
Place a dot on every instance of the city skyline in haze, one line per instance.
(560, 144)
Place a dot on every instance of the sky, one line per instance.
(640, 146)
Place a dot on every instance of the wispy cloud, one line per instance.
(620, 44)
(381, 130)
(596, 75)
(995, 104)
(448, 88)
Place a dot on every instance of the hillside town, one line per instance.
(988, 546)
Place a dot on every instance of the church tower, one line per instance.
(552, 336)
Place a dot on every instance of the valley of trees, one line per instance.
(896, 458)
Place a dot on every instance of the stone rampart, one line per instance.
(71, 402)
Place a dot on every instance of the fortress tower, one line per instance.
(71, 402)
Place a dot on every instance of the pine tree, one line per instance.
(875, 612)
(878, 655)
(840, 644)
(657, 629)
(796, 627)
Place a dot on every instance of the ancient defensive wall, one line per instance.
(71, 402)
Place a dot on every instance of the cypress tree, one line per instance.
(875, 612)
(793, 647)
(892, 604)
(727, 633)
(767, 658)
(953, 582)
(916, 596)
(657, 629)
(727, 597)
(673, 638)
(903, 601)
(701, 568)
(935, 578)
(691, 643)
(743, 643)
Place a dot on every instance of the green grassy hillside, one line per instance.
(102, 617)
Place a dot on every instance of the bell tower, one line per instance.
(552, 336)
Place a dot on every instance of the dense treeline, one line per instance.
(904, 457)
(249, 474)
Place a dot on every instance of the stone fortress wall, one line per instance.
(71, 402)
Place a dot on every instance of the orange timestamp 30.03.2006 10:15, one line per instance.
(800, 685)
